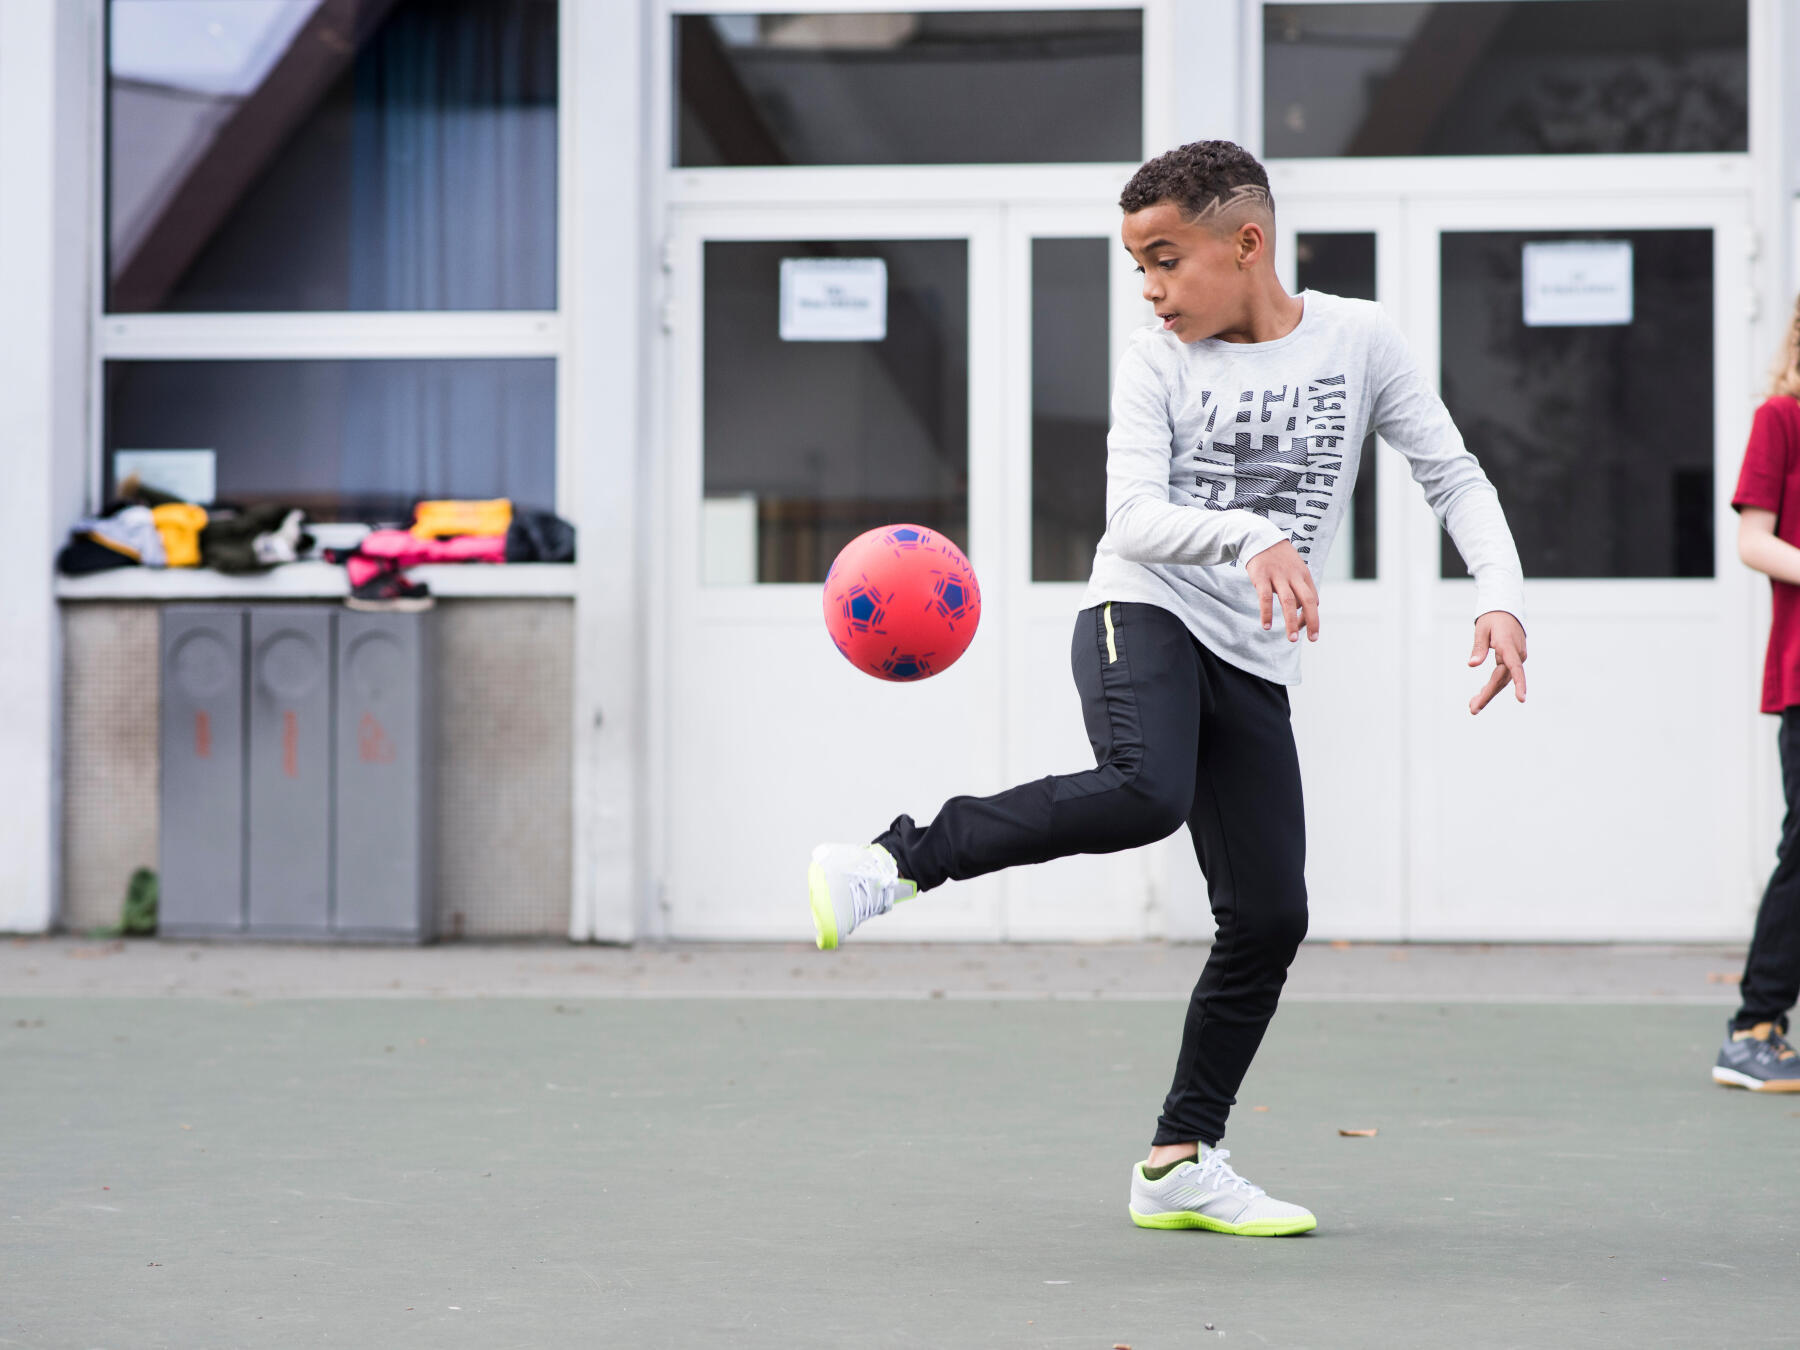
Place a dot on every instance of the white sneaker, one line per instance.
(849, 884)
(1206, 1193)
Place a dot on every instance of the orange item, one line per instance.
(436, 520)
(179, 524)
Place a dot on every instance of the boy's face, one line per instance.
(1197, 274)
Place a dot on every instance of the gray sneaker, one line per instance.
(849, 884)
(1205, 1193)
(1758, 1058)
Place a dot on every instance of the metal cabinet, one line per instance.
(296, 773)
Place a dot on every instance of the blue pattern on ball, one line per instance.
(906, 666)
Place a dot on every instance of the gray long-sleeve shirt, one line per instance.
(1219, 450)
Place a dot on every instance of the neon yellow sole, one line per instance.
(1186, 1218)
(818, 891)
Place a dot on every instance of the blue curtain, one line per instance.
(453, 207)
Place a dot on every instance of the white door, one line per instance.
(1350, 711)
(1005, 325)
(1607, 388)
(1617, 803)
(1072, 300)
(781, 448)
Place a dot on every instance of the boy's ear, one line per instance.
(1251, 243)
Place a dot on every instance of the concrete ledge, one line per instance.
(312, 581)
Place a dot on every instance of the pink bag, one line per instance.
(396, 550)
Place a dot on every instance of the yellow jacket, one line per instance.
(436, 520)
(179, 524)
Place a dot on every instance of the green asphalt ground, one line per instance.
(197, 1172)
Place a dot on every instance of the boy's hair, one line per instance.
(1787, 366)
(1205, 179)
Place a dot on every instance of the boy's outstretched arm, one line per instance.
(1501, 633)
(1415, 422)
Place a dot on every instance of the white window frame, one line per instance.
(977, 184)
(758, 190)
(1251, 94)
(335, 335)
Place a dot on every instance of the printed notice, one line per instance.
(187, 474)
(833, 299)
(1583, 284)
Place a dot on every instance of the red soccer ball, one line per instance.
(901, 602)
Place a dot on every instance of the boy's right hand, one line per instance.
(1279, 573)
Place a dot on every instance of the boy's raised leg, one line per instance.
(1137, 671)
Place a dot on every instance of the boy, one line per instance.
(1756, 1054)
(1236, 429)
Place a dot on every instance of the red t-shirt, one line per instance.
(1770, 481)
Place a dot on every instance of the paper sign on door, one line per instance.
(1576, 284)
(833, 299)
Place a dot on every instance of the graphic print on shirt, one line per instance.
(1278, 453)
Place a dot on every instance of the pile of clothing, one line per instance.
(147, 528)
(493, 531)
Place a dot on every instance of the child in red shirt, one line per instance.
(1756, 1054)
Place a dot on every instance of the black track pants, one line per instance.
(1772, 970)
(1179, 735)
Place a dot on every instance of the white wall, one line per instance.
(44, 167)
(607, 273)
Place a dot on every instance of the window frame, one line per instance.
(1250, 108)
(903, 182)
(337, 334)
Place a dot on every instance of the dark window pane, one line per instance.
(1599, 438)
(347, 440)
(1069, 374)
(1344, 264)
(1553, 77)
(809, 443)
(352, 155)
(1026, 87)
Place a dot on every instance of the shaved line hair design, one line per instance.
(1246, 195)
(1211, 182)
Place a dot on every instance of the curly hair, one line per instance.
(1785, 379)
(1203, 178)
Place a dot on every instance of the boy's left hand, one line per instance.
(1501, 633)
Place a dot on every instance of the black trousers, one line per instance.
(1179, 736)
(1771, 980)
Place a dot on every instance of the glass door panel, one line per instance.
(1595, 422)
(817, 429)
(1071, 374)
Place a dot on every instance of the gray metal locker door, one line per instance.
(201, 835)
(383, 801)
(290, 770)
